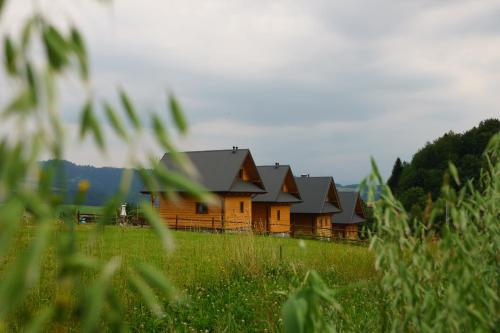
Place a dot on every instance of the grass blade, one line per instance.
(178, 115)
(158, 226)
(129, 109)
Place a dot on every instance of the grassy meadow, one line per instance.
(224, 282)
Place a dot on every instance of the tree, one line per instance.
(397, 170)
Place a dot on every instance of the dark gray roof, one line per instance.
(348, 200)
(218, 170)
(274, 177)
(314, 193)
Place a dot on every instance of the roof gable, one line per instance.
(353, 211)
(279, 183)
(219, 170)
(318, 195)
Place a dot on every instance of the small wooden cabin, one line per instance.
(346, 224)
(271, 211)
(320, 200)
(231, 175)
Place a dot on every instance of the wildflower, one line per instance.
(83, 185)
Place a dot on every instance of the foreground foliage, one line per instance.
(37, 57)
(429, 283)
(450, 283)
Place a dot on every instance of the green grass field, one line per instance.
(81, 208)
(225, 282)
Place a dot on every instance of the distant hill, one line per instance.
(104, 182)
(354, 187)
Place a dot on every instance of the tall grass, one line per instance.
(438, 274)
(231, 282)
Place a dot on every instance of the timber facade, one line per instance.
(320, 200)
(264, 199)
(231, 176)
(271, 211)
(346, 224)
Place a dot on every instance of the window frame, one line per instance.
(203, 210)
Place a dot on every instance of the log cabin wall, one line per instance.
(345, 231)
(352, 231)
(260, 216)
(279, 218)
(303, 224)
(183, 214)
(238, 211)
(324, 225)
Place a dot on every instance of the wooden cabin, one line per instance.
(346, 224)
(320, 200)
(229, 174)
(271, 211)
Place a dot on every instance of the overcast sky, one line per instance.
(320, 85)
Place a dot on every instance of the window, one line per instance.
(278, 215)
(241, 173)
(242, 207)
(201, 208)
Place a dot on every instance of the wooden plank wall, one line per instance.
(233, 217)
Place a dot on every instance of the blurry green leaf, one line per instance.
(155, 279)
(30, 75)
(27, 30)
(161, 134)
(178, 115)
(41, 319)
(129, 109)
(96, 299)
(147, 179)
(115, 121)
(158, 226)
(126, 180)
(165, 141)
(10, 56)
(2, 3)
(304, 309)
(21, 103)
(174, 180)
(141, 287)
(55, 47)
(81, 52)
(454, 172)
(375, 170)
(88, 122)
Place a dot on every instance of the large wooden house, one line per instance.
(229, 174)
(271, 211)
(346, 224)
(320, 200)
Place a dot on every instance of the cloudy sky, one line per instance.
(320, 85)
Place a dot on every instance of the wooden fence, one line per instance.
(218, 225)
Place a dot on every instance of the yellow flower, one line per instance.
(83, 185)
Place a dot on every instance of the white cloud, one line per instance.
(322, 85)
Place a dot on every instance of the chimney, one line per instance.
(234, 149)
(276, 165)
(304, 175)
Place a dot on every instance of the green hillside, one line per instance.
(412, 182)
